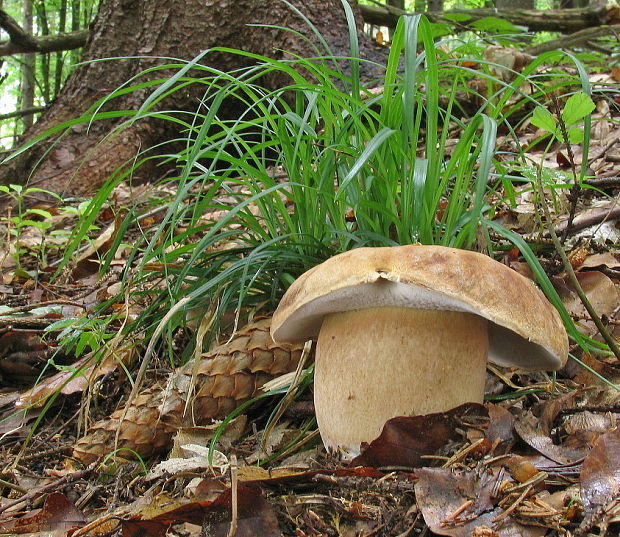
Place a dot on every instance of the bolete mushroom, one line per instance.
(407, 330)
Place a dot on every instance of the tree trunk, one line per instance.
(435, 5)
(28, 68)
(62, 21)
(168, 28)
(44, 59)
(75, 26)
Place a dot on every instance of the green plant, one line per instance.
(24, 218)
(315, 168)
(577, 108)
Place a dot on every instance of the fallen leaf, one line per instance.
(405, 439)
(600, 472)
(461, 503)
(600, 290)
(195, 460)
(607, 371)
(57, 514)
(66, 381)
(255, 516)
(501, 428)
(537, 432)
(604, 260)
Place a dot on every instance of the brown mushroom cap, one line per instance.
(524, 329)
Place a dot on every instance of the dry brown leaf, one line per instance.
(506, 60)
(255, 516)
(537, 432)
(461, 504)
(605, 260)
(600, 473)
(586, 378)
(500, 431)
(67, 382)
(58, 515)
(599, 289)
(404, 440)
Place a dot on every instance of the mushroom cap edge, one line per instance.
(524, 328)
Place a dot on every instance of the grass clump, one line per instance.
(318, 167)
(312, 169)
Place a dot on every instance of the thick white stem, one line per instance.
(378, 363)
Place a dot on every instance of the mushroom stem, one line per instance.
(378, 363)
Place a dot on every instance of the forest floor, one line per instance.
(540, 457)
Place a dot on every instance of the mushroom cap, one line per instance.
(525, 330)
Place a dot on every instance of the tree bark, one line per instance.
(559, 20)
(28, 68)
(62, 22)
(166, 28)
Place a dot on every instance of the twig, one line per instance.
(455, 514)
(234, 517)
(573, 40)
(23, 112)
(13, 486)
(591, 220)
(54, 485)
(16, 32)
(598, 409)
(603, 182)
(513, 506)
(459, 455)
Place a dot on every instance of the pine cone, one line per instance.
(226, 376)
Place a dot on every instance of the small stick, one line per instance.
(591, 220)
(234, 500)
(459, 455)
(516, 503)
(456, 513)
(53, 486)
(28, 307)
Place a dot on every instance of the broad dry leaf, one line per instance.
(255, 516)
(57, 515)
(404, 440)
(442, 493)
(600, 473)
(536, 431)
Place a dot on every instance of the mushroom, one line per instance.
(406, 330)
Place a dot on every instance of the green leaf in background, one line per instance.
(456, 17)
(578, 106)
(575, 135)
(543, 119)
(493, 24)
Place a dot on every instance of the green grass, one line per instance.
(315, 168)
(359, 169)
